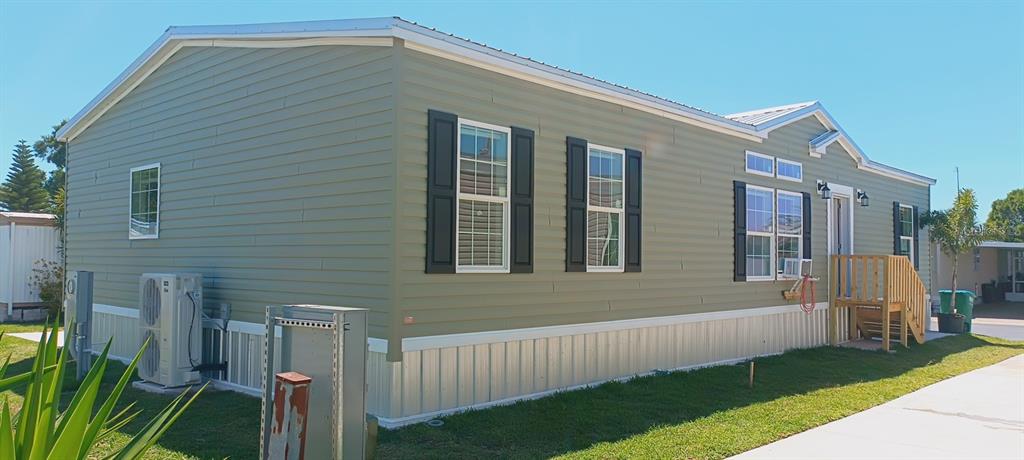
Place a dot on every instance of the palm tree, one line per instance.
(956, 230)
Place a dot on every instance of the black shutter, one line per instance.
(521, 201)
(739, 190)
(896, 227)
(807, 225)
(917, 241)
(575, 205)
(634, 229)
(441, 199)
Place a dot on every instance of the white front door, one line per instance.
(840, 229)
(840, 220)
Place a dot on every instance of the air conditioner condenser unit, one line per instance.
(170, 318)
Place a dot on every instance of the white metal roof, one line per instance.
(769, 119)
(756, 117)
(753, 126)
(27, 218)
(1002, 244)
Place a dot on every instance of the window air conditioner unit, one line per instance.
(170, 310)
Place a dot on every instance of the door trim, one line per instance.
(846, 192)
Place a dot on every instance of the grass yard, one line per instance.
(708, 413)
(218, 425)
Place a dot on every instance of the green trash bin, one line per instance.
(965, 306)
(945, 301)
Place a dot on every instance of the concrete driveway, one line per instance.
(976, 415)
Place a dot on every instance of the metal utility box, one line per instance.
(78, 313)
(327, 344)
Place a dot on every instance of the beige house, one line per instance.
(993, 263)
(514, 228)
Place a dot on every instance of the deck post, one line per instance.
(833, 312)
(886, 301)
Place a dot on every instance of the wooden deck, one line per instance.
(882, 295)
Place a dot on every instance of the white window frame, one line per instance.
(799, 235)
(771, 234)
(746, 166)
(910, 238)
(620, 268)
(798, 164)
(159, 191)
(505, 201)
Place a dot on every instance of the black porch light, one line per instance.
(862, 196)
(826, 193)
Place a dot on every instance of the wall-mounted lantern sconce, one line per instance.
(826, 193)
(862, 196)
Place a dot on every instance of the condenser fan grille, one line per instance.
(151, 302)
(149, 364)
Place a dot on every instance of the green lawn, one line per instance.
(219, 424)
(708, 413)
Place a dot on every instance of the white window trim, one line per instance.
(771, 235)
(799, 235)
(620, 268)
(779, 161)
(759, 155)
(505, 201)
(909, 238)
(159, 191)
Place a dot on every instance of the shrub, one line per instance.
(47, 280)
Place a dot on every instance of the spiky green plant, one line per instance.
(41, 431)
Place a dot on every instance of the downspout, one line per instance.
(10, 273)
(63, 233)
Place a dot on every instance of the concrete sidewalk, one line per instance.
(1009, 329)
(979, 414)
(36, 336)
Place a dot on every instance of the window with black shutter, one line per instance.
(905, 231)
(739, 202)
(479, 196)
(603, 208)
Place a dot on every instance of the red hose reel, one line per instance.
(807, 283)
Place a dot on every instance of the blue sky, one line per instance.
(924, 86)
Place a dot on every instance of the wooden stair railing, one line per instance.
(883, 295)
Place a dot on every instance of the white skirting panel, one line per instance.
(121, 324)
(240, 345)
(432, 382)
(464, 372)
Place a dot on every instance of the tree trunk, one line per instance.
(953, 298)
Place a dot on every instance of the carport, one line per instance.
(994, 270)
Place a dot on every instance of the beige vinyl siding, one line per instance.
(687, 213)
(873, 226)
(276, 179)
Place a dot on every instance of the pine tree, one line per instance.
(23, 190)
(54, 152)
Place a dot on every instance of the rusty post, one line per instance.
(288, 429)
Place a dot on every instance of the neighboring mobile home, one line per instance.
(993, 270)
(26, 240)
(513, 228)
